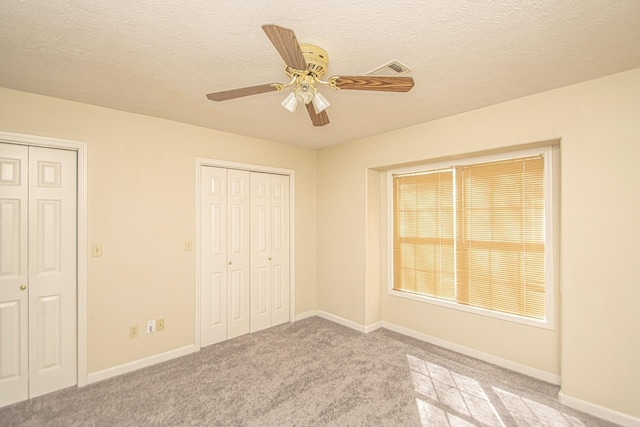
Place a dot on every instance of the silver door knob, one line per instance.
(229, 262)
(269, 258)
(23, 287)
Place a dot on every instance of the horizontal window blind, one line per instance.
(424, 234)
(474, 234)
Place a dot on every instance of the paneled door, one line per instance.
(225, 254)
(14, 275)
(269, 250)
(38, 326)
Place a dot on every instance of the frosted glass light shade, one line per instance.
(304, 92)
(290, 102)
(320, 103)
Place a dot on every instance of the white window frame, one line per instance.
(546, 153)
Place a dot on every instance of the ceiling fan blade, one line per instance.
(317, 119)
(239, 93)
(377, 83)
(285, 42)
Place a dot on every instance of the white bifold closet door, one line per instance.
(244, 261)
(225, 273)
(38, 338)
(269, 250)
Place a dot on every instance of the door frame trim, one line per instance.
(200, 162)
(80, 148)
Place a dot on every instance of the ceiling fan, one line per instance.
(306, 65)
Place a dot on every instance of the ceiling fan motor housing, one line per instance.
(317, 59)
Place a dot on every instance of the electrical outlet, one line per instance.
(96, 250)
(188, 245)
(133, 331)
(151, 326)
(160, 324)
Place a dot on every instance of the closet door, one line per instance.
(280, 249)
(269, 250)
(38, 339)
(52, 270)
(213, 262)
(238, 250)
(14, 356)
(225, 272)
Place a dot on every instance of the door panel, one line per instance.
(14, 373)
(216, 300)
(217, 234)
(50, 332)
(278, 218)
(260, 251)
(261, 228)
(13, 378)
(280, 249)
(270, 250)
(213, 264)
(278, 288)
(52, 270)
(49, 224)
(235, 309)
(225, 219)
(236, 217)
(239, 253)
(10, 236)
(262, 296)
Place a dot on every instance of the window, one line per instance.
(476, 235)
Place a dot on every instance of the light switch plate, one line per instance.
(96, 250)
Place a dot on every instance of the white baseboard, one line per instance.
(599, 411)
(139, 364)
(341, 321)
(305, 315)
(373, 327)
(468, 351)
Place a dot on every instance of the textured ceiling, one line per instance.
(160, 57)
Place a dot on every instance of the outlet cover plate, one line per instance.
(133, 331)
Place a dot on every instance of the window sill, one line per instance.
(544, 324)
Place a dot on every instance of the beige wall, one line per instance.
(141, 207)
(598, 123)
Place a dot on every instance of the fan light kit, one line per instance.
(306, 65)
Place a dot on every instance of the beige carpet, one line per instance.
(309, 373)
